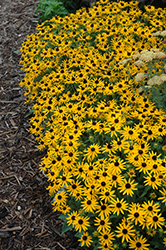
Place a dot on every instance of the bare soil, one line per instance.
(26, 217)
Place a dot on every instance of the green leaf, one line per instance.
(56, 5)
(63, 216)
(37, 8)
(78, 234)
(145, 192)
(96, 247)
(50, 8)
(48, 11)
(66, 228)
(113, 216)
(30, 113)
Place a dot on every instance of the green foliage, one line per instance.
(73, 5)
(66, 227)
(50, 8)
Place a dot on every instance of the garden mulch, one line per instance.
(26, 217)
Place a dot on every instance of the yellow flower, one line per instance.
(153, 195)
(104, 209)
(102, 223)
(136, 215)
(85, 239)
(153, 181)
(71, 219)
(92, 152)
(107, 194)
(151, 232)
(155, 220)
(127, 187)
(164, 241)
(116, 165)
(129, 133)
(138, 243)
(125, 231)
(118, 206)
(150, 208)
(163, 197)
(106, 237)
(81, 223)
(131, 173)
(89, 205)
(60, 198)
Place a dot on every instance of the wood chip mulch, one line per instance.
(26, 217)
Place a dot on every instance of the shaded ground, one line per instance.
(26, 217)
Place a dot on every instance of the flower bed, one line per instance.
(105, 137)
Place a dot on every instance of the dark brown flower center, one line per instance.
(124, 231)
(138, 244)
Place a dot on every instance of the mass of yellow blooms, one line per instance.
(99, 112)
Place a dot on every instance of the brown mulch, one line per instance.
(26, 217)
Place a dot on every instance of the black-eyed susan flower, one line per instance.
(130, 147)
(152, 180)
(64, 179)
(104, 209)
(125, 231)
(80, 170)
(108, 148)
(155, 220)
(81, 223)
(143, 149)
(106, 237)
(150, 207)
(106, 246)
(89, 205)
(74, 187)
(163, 195)
(60, 198)
(153, 195)
(154, 157)
(112, 130)
(85, 239)
(116, 165)
(143, 166)
(103, 183)
(107, 194)
(91, 170)
(118, 144)
(92, 152)
(151, 133)
(115, 178)
(131, 172)
(151, 232)
(102, 223)
(136, 215)
(127, 187)
(139, 243)
(118, 206)
(53, 187)
(129, 133)
(65, 209)
(71, 219)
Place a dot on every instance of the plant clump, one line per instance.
(105, 139)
